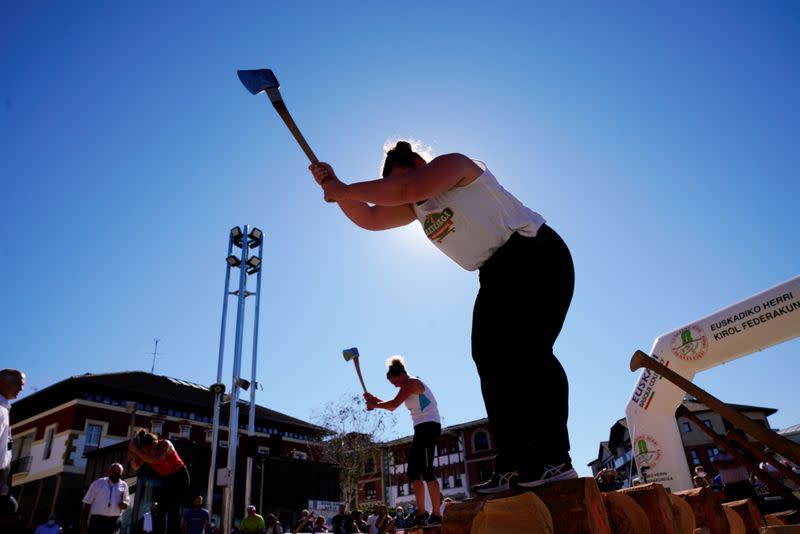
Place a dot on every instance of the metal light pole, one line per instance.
(219, 391)
(251, 424)
(247, 266)
(233, 418)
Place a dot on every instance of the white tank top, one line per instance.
(469, 223)
(423, 407)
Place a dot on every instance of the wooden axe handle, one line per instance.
(358, 370)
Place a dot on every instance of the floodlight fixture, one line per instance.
(236, 236)
(233, 261)
(254, 237)
(253, 264)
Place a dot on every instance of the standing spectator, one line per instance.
(147, 524)
(421, 403)
(51, 527)
(104, 502)
(384, 524)
(273, 527)
(399, 518)
(252, 523)
(342, 523)
(306, 522)
(358, 521)
(213, 528)
(195, 519)
(319, 524)
(162, 457)
(735, 478)
(701, 478)
(12, 381)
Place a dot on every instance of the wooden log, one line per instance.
(625, 514)
(503, 513)
(576, 506)
(735, 521)
(787, 517)
(684, 515)
(656, 504)
(702, 530)
(750, 514)
(708, 511)
(780, 529)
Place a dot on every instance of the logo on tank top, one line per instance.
(438, 225)
(424, 402)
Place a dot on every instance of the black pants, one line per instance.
(525, 291)
(170, 496)
(102, 524)
(420, 457)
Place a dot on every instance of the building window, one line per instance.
(370, 492)
(687, 427)
(485, 471)
(480, 441)
(712, 452)
(208, 435)
(156, 427)
(457, 481)
(695, 457)
(223, 444)
(299, 455)
(93, 434)
(707, 422)
(184, 433)
(445, 482)
(263, 450)
(369, 466)
(48, 442)
(401, 489)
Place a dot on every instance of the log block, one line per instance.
(735, 521)
(750, 514)
(780, 518)
(684, 515)
(625, 514)
(708, 511)
(576, 506)
(780, 529)
(656, 504)
(503, 513)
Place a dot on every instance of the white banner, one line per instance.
(756, 323)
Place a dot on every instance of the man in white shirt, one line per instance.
(11, 383)
(104, 502)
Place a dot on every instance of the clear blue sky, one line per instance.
(661, 142)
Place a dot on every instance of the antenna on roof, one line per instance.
(154, 354)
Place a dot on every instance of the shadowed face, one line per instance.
(399, 380)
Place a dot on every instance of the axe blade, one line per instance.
(349, 354)
(258, 80)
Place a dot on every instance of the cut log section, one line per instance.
(735, 521)
(708, 511)
(684, 515)
(625, 514)
(654, 500)
(750, 514)
(576, 506)
(503, 513)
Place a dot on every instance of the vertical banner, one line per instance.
(756, 323)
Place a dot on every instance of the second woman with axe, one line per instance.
(420, 401)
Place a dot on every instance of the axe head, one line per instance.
(258, 80)
(350, 354)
